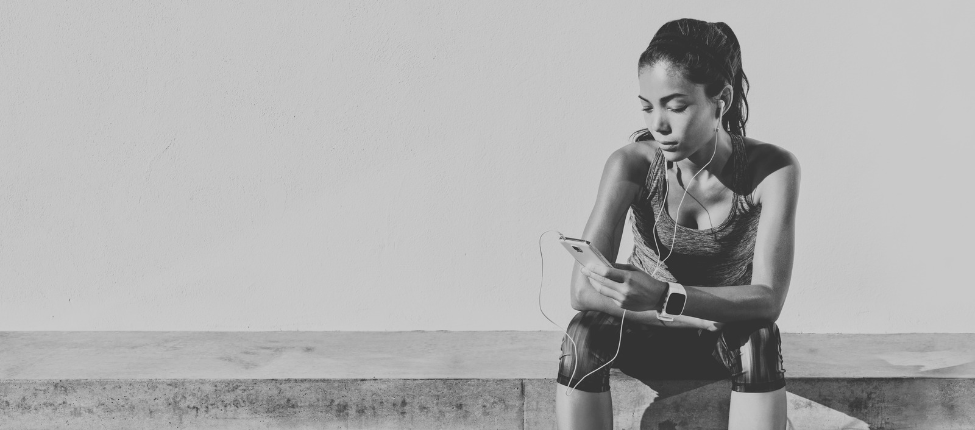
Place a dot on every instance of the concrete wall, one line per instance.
(350, 165)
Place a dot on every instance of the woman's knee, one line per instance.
(579, 318)
(765, 331)
(756, 360)
(581, 331)
(593, 328)
(583, 352)
(766, 342)
(591, 334)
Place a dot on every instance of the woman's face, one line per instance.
(676, 111)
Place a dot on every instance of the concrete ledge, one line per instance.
(262, 404)
(456, 380)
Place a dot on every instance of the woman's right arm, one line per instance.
(618, 188)
(622, 178)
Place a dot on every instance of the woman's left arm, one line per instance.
(634, 290)
(772, 263)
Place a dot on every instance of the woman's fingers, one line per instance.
(625, 266)
(603, 285)
(608, 273)
(594, 274)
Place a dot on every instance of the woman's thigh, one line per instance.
(646, 352)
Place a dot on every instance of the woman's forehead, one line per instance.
(661, 80)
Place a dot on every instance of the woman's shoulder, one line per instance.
(763, 159)
(640, 151)
(633, 159)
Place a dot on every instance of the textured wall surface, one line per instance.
(380, 166)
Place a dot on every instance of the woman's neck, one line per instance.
(693, 164)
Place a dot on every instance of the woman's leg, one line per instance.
(583, 410)
(757, 411)
(646, 353)
(752, 352)
(582, 397)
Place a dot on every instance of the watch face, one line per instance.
(675, 304)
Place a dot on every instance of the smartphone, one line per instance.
(584, 252)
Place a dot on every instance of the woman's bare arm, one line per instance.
(618, 187)
(772, 263)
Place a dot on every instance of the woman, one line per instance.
(729, 243)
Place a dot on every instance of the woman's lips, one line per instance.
(668, 146)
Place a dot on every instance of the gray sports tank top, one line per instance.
(712, 257)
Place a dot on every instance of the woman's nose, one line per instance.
(658, 123)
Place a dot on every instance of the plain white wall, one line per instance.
(391, 165)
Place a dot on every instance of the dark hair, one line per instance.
(704, 53)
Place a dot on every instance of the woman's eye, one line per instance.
(678, 110)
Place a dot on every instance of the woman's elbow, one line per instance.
(775, 304)
(578, 290)
(577, 301)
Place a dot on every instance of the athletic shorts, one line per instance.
(747, 352)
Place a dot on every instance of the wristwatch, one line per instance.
(674, 302)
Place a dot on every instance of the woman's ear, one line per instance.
(727, 94)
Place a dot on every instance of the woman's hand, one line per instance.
(628, 286)
(713, 325)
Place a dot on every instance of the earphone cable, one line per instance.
(575, 357)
